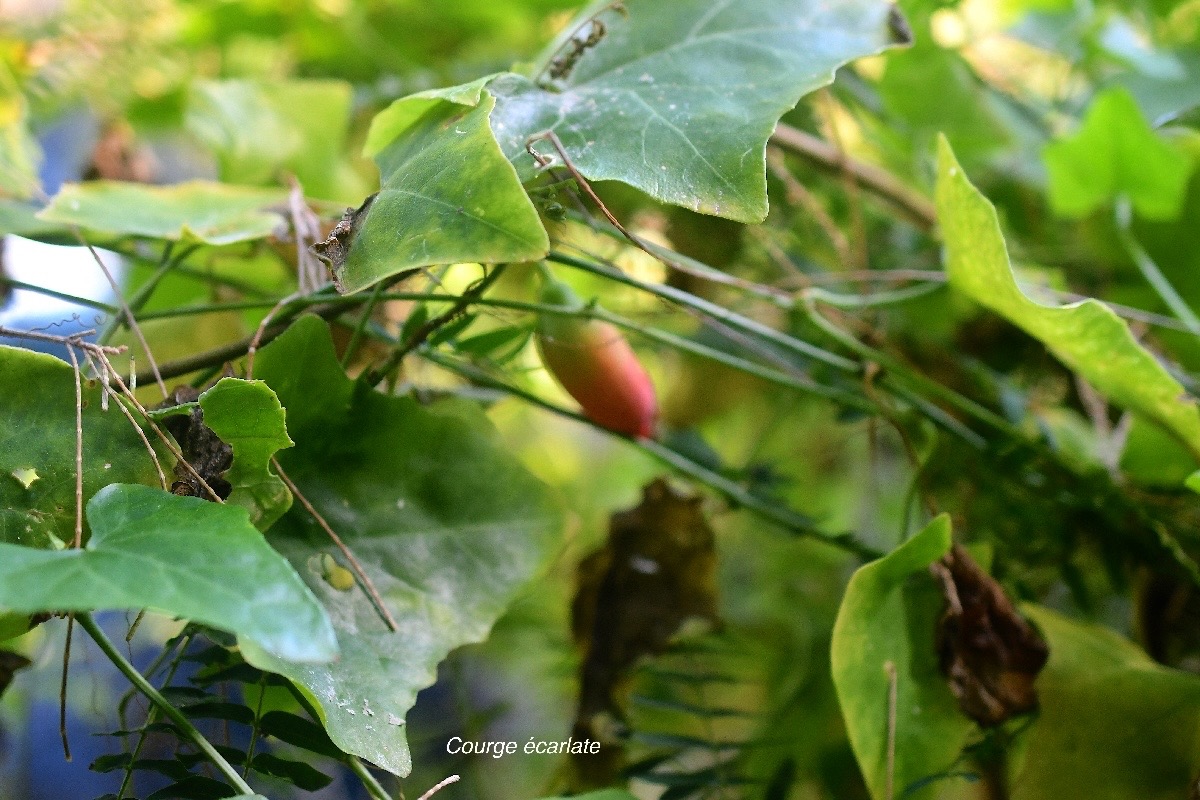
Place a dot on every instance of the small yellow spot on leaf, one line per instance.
(25, 476)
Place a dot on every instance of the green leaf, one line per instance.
(447, 525)
(260, 130)
(1087, 336)
(889, 614)
(178, 555)
(213, 213)
(447, 194)
(1115, 153)
(1113, 723)
(19, 151)
(37, 434)
(679, 98)
(247, 416)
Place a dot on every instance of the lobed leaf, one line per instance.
(447, 525)
(678, 99)
(1087, 336)
(247, 416)
(178, 555)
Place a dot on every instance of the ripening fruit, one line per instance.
(594, 363)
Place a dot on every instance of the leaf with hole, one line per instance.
(37, 434)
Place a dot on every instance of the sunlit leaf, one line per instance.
(888, 616)
(213, 213)
(247, 416)
(178, 555)
(447, 194)
(1087, 336)
(446, 524)
(1113, 724)
(1115, 153)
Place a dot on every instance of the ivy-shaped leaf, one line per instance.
(447, 525)
(212, 213)
(179, 555)
(1113, 723)
(889, 614)
(447, 193)
(1116, 153)
(1087, 336)
(37, 448)
(678, 99)
(247, 416)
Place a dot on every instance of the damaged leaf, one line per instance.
(656, 573)
(203, 450)
(987, 651)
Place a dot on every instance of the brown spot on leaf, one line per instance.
(207, 454)
(656, 572)
(336, 247)
(987, 651)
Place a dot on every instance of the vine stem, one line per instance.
(1150, 270)
(372, 785)
(737, 494)
(175, 715)
(367, 584)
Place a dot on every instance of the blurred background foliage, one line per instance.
(1056, 109)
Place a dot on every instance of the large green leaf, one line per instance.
(1115, 153)
(889, 614)
(679, 98)
(248, 417)
(179, 555)
(446, 524)
(37, 448)
(213, 213)
(260, 130)
(1113, 723)
(1087, 336)
(447, 193)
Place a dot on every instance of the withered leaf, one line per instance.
(336, 246)
(10, 662)
(988, 652)
(207, 454)
(656, 572)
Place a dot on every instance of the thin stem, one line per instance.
(376, 375)
(734, 492)
(175, 715)
(364, 579)
(1150, 270)
(709, 309)
(132, 321)
(876, 180)
(370, 783)
(356, 336)
(62, 689)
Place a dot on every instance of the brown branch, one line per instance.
(874, 179)
(78, 540)
(367, 585)
(130, 320)
(439, 786)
